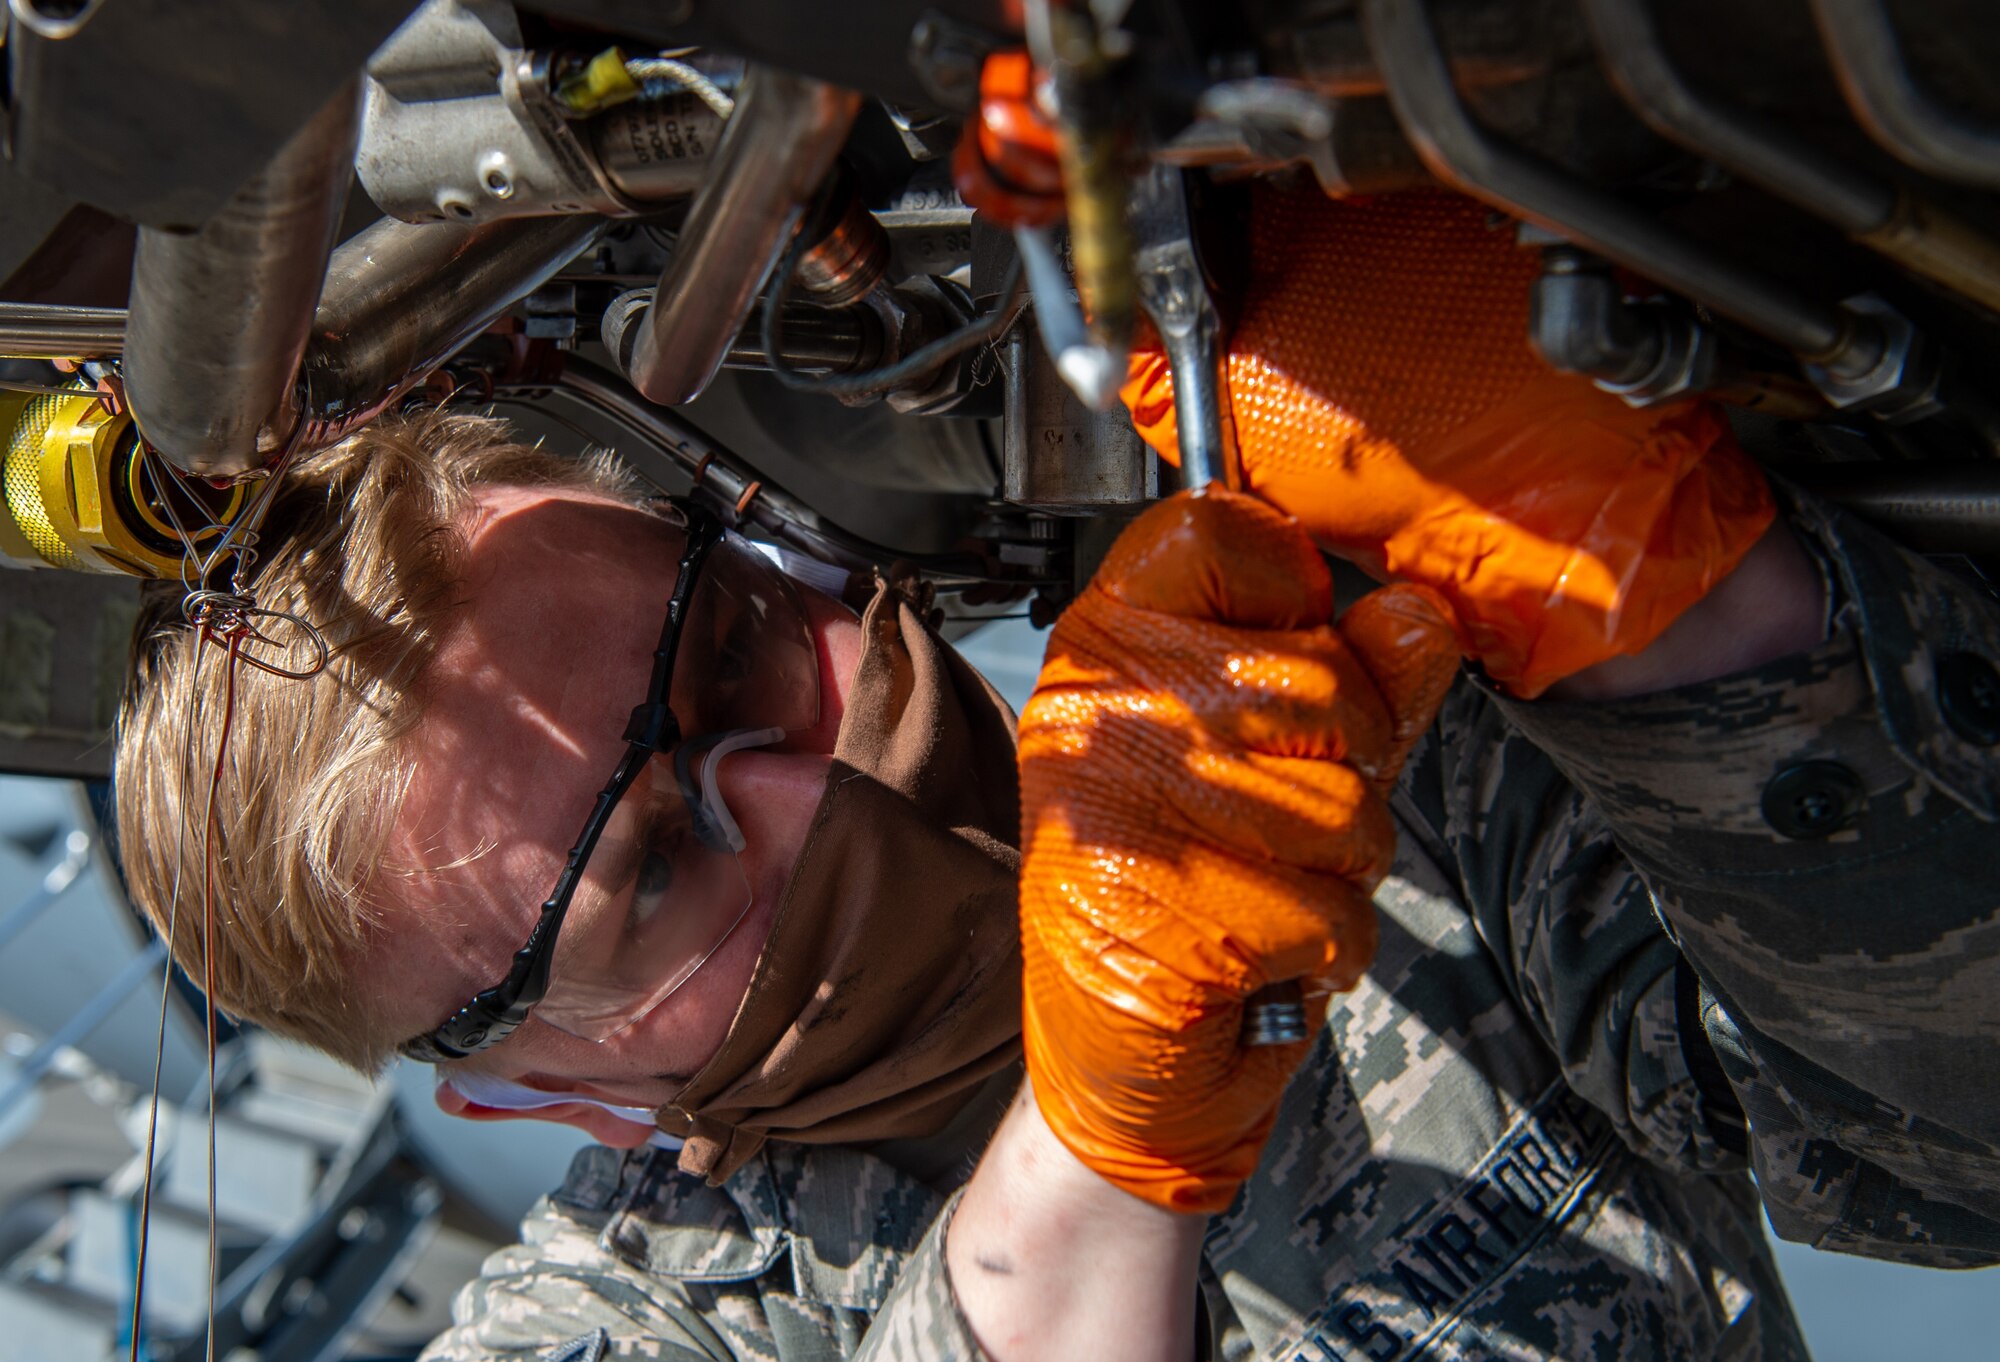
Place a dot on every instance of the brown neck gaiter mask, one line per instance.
(890, 987)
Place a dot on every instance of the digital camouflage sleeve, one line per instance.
(631, 1258)
(1523, 1136)
(1819, 837)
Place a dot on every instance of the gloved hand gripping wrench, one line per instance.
(1175, 291)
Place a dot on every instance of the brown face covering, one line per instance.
(890, 987)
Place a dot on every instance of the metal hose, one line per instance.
(1933, 508)
(219, 317)
(744, 497)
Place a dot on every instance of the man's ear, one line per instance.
(600, 1125)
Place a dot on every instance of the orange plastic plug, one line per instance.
(1006, 164)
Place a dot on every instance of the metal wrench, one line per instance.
(1175, 293)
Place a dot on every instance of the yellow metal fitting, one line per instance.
(79, 495)
(1933, 241)
(602, 82)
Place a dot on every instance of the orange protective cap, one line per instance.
(1005, 165)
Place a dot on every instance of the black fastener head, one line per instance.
(1969, 693)
(1813, 799)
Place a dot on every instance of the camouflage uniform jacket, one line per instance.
(1607, 985)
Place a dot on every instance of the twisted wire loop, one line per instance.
(280, 643)
(662, 74)
(228, 620)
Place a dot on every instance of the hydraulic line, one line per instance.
(1868, 58)
(401, 298)
(1918, 234)
(1932, 507)
(398, 300)
(55, 331)
(743, 496)
(1466, 156)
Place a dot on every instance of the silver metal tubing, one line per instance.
(1647, 352)
(775, 152)
(1466, 156)
(1580, 322)
(1868, 59)
(220, 317)
(1628, 43)
(401, 298)
(1875, 213)
(50, 331)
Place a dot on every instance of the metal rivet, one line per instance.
(1969, 694)
(1813, 799)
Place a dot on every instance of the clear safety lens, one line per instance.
(665, 887)
(747, 658)
(664, 891)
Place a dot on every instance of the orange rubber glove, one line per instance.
(1385, 394)
(1203, 772)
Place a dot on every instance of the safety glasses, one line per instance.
(735, 668)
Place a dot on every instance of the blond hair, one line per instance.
(364, 542)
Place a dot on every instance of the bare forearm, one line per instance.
(1049, 1261)
(1771, 606)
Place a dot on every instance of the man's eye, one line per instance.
(732, 666)
(734, 652)
(656, 877)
